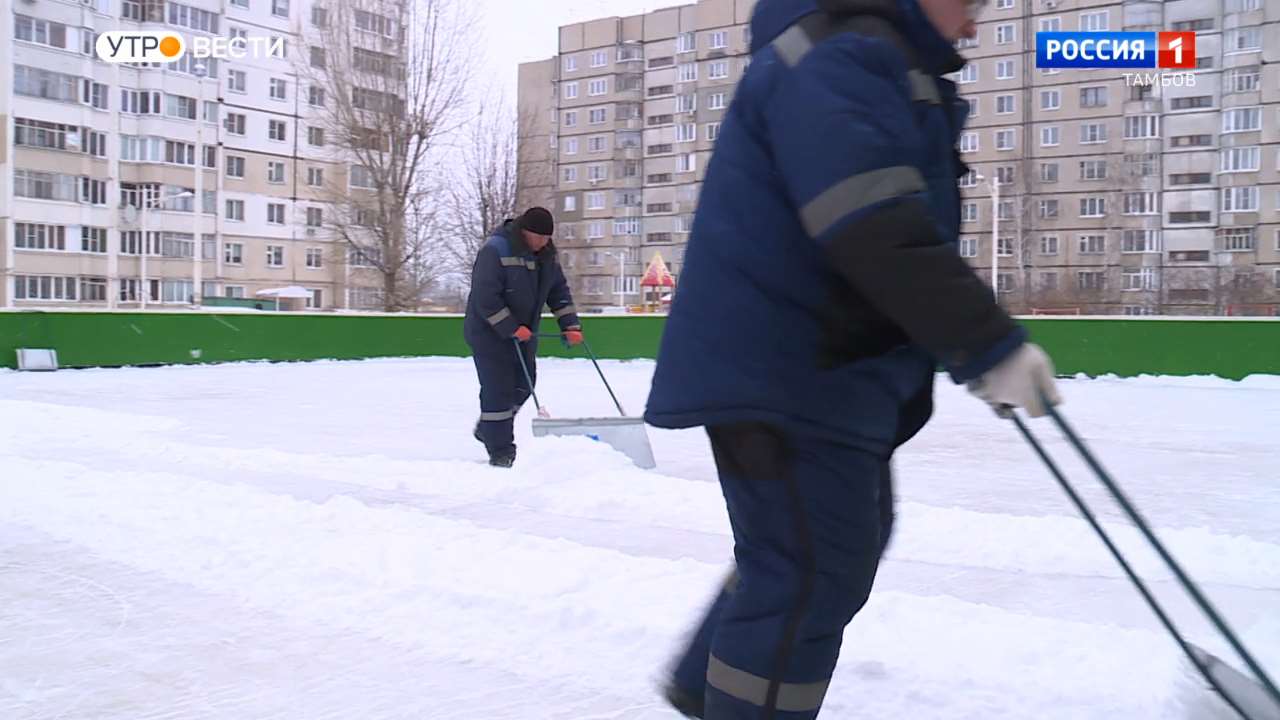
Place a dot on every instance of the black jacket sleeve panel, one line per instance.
(894, 259)
(488, 287)
(560, 301)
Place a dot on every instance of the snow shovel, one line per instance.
(625, 434)
(1253, 698)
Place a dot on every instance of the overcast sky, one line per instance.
(517, 31)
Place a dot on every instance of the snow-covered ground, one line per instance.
(313, 541)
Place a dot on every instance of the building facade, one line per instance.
(125, 186)
(1098, 193)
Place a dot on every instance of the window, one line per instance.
(686, 103)
(718, 70)
(570, 203)
(688, 72)
(1093, 170)
(315, 96)
(1240, 199)
(1004, 175)
(275, 255)
(1093, 133)
(1004, 248)
(1244, 79)
(570, 63)
(361, 177)
(966, 43)
(1048, 172)
(713, 131)
(599, 58)
(1185, 25)
(42, 32)
(626, 226)
(1049, 136)
(44, 287)
(94, 94)
(1053, 24)
(237, 81)
(235, 166)
(1141, 203)
(687, 132)
(1140, 279)
(716, 101)
(234, 124)
(194, 18)
(275, 171)
(1094, 21)
(1192, 103)
(275, 213)
(1048, 209)
(279, 89)
(569, 90)
(280, 8)
(1245, 39)
(1086, 280)
(32, 236)
(597, 116)
(595, 231)
(1093, 244)
(598, 173)
(1004, 139)
(1048, 244)
(1235, 239)
(1050, 99)
(93, 239)
(686, 42)
(969, 179)
(1004, 70)
(1140, 241)
(1242, 120)
(969, 142)
(598, 87)
(233, 253)
(969, 212)
(44, 186)
(1005, 282)
(1239, 6)
(45, 84)
(1183, 218)
(687, 163)
(1004, 104)
(315, 217)
(1141, 127)
(968, 74)
(1093, 97)
(1191, 178)
(1192, 141)
(570, 174)
(276, 130)
(235, 210)
(719, 40)
(1006, 210)
(1241, 159)
(969, 247)
(315, 300)
(1006, 33)
(1093, 207)
(571, 146)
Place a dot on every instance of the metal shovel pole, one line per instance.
(599, 372)
(542, 412)
(1197, 656)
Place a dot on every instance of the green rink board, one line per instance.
(1228, 348)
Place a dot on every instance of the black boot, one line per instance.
(503, 458)
(683, 702)
(476, 433)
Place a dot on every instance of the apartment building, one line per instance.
(1113, 196)
(126, 186)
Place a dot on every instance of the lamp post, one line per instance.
(197, 254)
(993, 184)
(146, 205)
(622, 270)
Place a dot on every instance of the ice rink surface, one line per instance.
(324, 540)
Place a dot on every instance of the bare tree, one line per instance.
(388, 77)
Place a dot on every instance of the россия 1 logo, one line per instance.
(1129, 50)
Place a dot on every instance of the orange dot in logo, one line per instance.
(170, 46)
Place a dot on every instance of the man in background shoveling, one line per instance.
(515, 274)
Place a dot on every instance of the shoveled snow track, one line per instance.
(315, 541)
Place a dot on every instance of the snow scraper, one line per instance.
(1253, 698)
(625, 434)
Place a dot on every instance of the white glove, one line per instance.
(1019, 381)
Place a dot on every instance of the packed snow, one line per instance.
(325, 540)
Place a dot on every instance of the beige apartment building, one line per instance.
(95, 157)
(1114, 196)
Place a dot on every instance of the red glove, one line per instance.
(573, 337)
(523, 333)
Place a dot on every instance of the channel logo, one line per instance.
(1169, 50)
(137, 47)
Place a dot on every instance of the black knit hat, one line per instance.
(538, 220)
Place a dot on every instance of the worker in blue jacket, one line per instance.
(515, 274)
(821, 290)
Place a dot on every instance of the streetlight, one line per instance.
(197, 254)
(147, 204)
(622, 269)
(993, 184)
